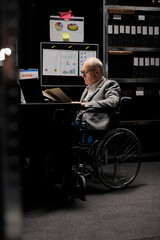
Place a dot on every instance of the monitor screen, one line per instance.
(61, 63)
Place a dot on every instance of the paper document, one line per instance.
(56, 94)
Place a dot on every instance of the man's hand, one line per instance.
(82, 104)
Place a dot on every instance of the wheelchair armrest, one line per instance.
(109, 110)
(98, 110)
(125, 98)
(115, 113)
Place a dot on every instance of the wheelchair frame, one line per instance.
(113, 161)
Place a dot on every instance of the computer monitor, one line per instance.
(61, 63)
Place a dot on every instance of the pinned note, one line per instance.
(66, 15)
(65, 36)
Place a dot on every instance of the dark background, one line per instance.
(34, 26)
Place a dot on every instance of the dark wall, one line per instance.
(34, 25)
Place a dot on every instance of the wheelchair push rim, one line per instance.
(118, 158)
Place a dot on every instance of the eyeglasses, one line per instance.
(85, 72)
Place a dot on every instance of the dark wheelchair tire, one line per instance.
(118, 158)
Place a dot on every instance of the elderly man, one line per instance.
(99, 93)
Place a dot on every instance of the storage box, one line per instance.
(28, 73)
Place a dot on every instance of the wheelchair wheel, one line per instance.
(118, 158)
(81, 187)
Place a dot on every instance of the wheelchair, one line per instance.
(113, 158)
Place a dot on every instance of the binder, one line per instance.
(140, 91)
(116, 34)
(116, 22)
(141, 67)
(142, 31)
(157, 66)
(110, 30)
(128, 22)
(133, 35)
(122, 34)
(127, 35)
(156, 36)
(134, 30)
(144, 36)
(135, 67)
(150, 36)
(147, 72)
(110, 35)
(152, 66)
(139, 35)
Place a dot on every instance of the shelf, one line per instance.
(137, 80)
(138, 8)
(132, 55)
(133, 49)
(139, 122)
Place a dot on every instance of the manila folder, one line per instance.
(56, 94)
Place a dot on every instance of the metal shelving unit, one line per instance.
(141, 115)
(118, 11)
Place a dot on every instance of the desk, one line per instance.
(38, 134)
(36, 121)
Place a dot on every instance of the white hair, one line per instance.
(95, 63)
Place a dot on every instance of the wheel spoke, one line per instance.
(118, 158)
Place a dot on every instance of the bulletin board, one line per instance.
(71, 30)
(61, 63)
